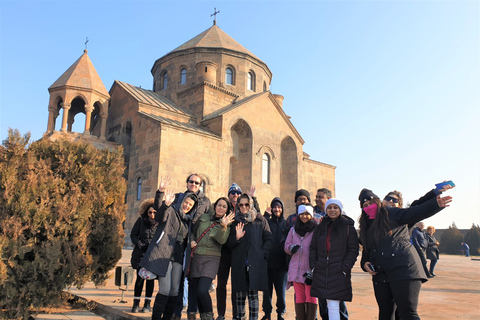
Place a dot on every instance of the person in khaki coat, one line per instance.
(209, 234)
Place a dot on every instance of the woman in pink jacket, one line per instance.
(298, 246)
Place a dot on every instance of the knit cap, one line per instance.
(235, 188)
(334, 201)
(302, 192)
(366, 194)
(305, 208)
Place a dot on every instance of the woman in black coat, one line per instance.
(433, 254)
(251, 241)
(164, 256)
(333, 252)
(141, 235)
(388, 254)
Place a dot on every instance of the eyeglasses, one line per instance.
(388, 198)
(244, 205)
(194, 182)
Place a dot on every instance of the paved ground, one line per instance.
(453, 294)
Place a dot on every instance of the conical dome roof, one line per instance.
(214, 37)
(81, 74)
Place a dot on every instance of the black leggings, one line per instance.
(403, 293)
(198, 294)
(137, 291)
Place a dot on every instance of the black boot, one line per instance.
(170, 308)
(159, 306)
(136, 305)
(146, 306)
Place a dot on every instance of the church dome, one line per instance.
(211, 57)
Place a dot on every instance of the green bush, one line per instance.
(61, 214)
(472, 238)
(451, 240)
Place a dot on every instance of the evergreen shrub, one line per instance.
(61, 214)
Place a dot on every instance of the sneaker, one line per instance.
(212, 288)
(220, 317)
(135, 309)
(146, 309)
(266, 317)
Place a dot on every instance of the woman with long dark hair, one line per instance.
(210, 233)
(333, 252)
(142, 234)
(389, 256)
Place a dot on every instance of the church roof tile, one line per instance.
(182, 125)
(214, 37)
(151, 98)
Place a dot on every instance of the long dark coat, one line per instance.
(332, 277)
(252, 249)
(432, 250)
(394, 257)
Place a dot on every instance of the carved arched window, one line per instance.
(266, 168)
(229, 76)
(139, 188)
(164, 80)
(183, 76)
(251, 81)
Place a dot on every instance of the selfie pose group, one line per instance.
(180, 237)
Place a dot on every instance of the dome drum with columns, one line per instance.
(210, 112)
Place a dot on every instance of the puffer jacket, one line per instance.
(332, 277)
(277, 259)
(299, 263)
(141, 235)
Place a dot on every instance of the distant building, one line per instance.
(210, 112)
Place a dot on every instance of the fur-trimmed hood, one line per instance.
(142, 210)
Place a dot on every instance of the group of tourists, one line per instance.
(180, 237)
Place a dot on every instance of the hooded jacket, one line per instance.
(332, 277)
(250, 251)
(277, 259)
(142, 233)
(171, 237)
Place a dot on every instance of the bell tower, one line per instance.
(79, 90)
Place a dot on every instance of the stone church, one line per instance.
(210, 112)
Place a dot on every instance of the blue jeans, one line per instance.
(277, 279)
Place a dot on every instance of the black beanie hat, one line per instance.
(302, 192)
(366, 194)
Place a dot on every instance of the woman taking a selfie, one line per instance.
(389, 256)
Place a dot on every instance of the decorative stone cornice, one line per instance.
(208, 84)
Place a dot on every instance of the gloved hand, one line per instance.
(294, 248)
(308, 277)
(142, 245)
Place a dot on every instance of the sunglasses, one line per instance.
(395, 200)
(194, 182)
(236, 192)
(244, 205)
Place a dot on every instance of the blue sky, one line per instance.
(387, 91)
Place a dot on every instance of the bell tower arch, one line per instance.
(79, 90)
